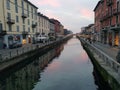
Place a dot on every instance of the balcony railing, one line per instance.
(24, 15)
(34, 25)
(10, 21)
(115, 27)
(2, 33)
(24, 32)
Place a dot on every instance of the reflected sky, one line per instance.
(71, 71)
(66, 67)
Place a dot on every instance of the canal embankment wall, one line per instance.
(108, 68)
(15, 58)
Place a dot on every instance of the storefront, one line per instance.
(110, 38)
(115, 33)
(10, 40)
(116, 39)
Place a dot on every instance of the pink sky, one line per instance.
(72, 14)
(53, 3)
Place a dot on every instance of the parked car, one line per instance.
(15, 45)
(42, 38)
(52, 38)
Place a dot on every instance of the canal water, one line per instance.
(67, 67)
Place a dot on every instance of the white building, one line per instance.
(43, 24)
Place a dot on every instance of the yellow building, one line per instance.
(18, 21)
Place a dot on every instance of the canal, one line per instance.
(66, 67)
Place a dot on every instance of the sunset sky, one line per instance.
(73, 14)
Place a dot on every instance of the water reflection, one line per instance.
(103, 85)
(58, 69)
(71, 71)
(26, 76)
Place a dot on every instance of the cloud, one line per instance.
(52, 3)
(86, 13)
(73, 14)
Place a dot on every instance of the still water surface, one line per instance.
(72, 70)
(66, 67)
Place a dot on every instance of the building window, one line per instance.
(32, 12)
(17, 19)
(28, 29)
(9, 15)
(28, 22)
(17, 28)
(8, 4)
(32, 22)
(23, 27)
(16, 6)
(16, 9)
(117, 19)
(23, 20)
(22, 6)
(35, 14)
(33, 30)
(10, 28)
(1, 28)
(28, 9)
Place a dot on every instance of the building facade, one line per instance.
(43, 24)
(59, 28)
(107, 21)
(52, 29)
(18, 21)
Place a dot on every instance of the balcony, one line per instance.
(10, 21)
(34, 25)
(109, 2)
(105, 29)
(24, 15)
(2, 33)
(25, 33)
(115, 27)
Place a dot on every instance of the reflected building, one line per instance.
(26, 77)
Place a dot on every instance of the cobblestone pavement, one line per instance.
(109, 50)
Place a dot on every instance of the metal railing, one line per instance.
(11, 53)
(104, 57)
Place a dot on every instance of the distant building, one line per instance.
(66, 32)
(43, 24)
(52, 28)
(61, 29)
(58, 27)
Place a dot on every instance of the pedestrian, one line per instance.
(4, 45)
(118, 57)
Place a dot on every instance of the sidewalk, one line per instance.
(8, 50)
(111, 51)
